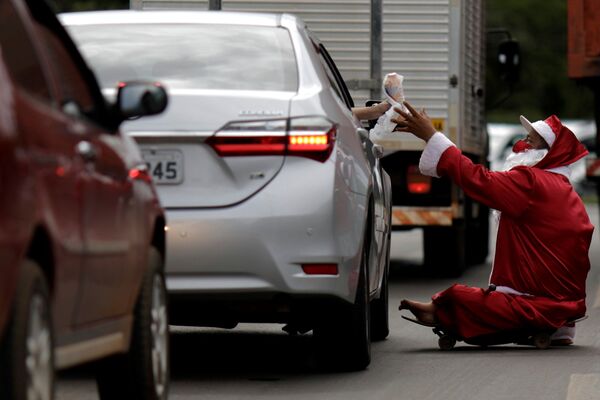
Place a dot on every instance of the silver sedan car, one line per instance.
(277, 208)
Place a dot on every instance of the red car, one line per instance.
(82, 234)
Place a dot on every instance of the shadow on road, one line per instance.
(408, 269)
(203, 353)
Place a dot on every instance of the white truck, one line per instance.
(438, 45)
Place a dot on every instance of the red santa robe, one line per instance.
(541, 261)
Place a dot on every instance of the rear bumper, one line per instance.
(228, 309)
(257, 247)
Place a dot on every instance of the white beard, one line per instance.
(527, 158)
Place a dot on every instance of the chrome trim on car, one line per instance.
(88, 350)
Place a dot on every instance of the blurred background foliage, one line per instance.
(540, 26)
(544, 88)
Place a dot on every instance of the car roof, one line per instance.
(169, 17)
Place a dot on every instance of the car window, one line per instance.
(335, 77)
(19, 53)
(191, 56)
(75, 95)
(331, 78)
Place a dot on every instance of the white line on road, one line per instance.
(584, 387)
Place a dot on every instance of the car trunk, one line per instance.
(187, 170)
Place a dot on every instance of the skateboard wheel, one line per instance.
(446, 342)
(541, 340)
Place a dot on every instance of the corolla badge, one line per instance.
(260, 113)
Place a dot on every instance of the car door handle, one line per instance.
(86, 151)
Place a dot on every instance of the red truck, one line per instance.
(584, 60)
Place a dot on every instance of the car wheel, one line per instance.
(343, 339)
(143, 372)
(380, 322)
(27, 353)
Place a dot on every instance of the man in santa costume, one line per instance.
(541, 261)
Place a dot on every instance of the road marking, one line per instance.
(583, 387)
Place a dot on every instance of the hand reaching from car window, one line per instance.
(415, 122)
(373, 112)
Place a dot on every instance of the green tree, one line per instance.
(540, 26)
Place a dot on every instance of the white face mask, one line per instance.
(527, 158)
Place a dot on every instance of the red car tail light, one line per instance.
(140, 174)
(251, 138)
(416, 182)
(311, 137)
(320, 269)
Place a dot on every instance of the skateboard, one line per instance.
(540, 339)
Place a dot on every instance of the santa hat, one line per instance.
(565, 148)
(548, 129)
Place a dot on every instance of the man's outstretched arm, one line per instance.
(373, 112)
(504, 191)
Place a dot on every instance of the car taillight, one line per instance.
(416, 182)
(140, 173)
(320, 269)
(311, 137)
(251, 138)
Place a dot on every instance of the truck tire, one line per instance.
(143, 372)
(444, 250)
(27, 351)
(380, 322)
(343, 337)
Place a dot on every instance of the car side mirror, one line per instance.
(509, 60)
(363, 134)
(378, 151)
(140, 98)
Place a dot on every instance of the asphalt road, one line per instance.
(260, 361)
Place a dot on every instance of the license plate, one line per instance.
(165, 166)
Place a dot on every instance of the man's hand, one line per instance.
(373, 112)
(417, 123)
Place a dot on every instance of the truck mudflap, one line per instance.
(422, 216)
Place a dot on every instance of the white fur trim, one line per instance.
(430, 157)
(564, 170)
(509, 290)
(545, 131)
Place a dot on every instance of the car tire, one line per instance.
(380, 320)
(27, 351)
(343, 338)
(143, 372)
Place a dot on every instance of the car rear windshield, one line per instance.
(191, 56)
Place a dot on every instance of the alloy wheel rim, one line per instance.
(38, 347)
(159, 328)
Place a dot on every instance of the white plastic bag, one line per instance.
(394, 93)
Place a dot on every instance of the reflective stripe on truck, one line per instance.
(422, 216)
